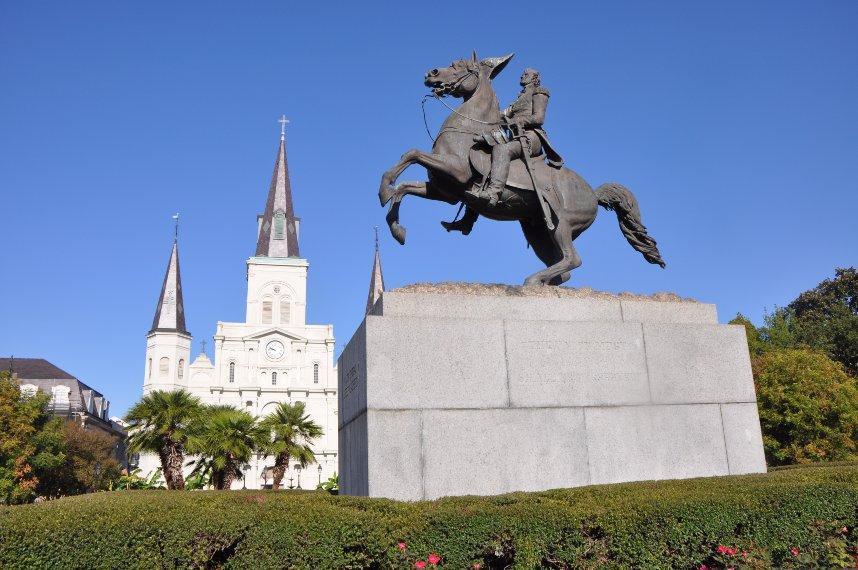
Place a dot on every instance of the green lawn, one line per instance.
(669, 524)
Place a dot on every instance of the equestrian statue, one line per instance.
(501, 165)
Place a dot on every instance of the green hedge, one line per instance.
(670, 524)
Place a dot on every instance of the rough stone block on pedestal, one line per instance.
(528, 389)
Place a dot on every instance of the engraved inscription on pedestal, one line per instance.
(554, 363)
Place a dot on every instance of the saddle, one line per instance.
(481, 162)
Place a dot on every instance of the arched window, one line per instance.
(232, 371)
(163, 366)
(149, 373)
(279, 223)
(285, 311)
(181, 371)
(273, 378)
(267, 307)
(315, 373)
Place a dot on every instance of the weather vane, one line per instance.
(203, 346)
(176, 226)
(376, 237)
(283, 122)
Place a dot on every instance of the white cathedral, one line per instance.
(274, 356)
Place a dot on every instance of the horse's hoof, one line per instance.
(398, 233)
(385, 193)
(534, 282)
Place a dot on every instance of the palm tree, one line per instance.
(291, 435)
(227, 440)
(161, 423)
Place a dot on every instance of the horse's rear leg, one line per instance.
(542, 243)
(561, 270)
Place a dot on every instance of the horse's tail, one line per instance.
(618, 198)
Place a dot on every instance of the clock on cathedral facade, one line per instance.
(273, 356)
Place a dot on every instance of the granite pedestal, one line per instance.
(467, 394)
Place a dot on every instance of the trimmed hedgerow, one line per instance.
(791, 517)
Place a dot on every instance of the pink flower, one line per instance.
(703, 567)
(731, 552)
(744, 554)
(401, 546)
(420, 564)
(434, 559)
(477, 566)
(721, 549)
(794, 551)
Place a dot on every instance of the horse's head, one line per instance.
(463, 77)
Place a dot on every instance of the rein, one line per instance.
(443, 93)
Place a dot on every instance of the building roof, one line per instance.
(170, 312)
(376, 279)
(278, 231)
(34, 369)
(46, 376)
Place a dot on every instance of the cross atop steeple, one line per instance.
(283, 122)
(176, 228)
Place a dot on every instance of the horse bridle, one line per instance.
(448, 89)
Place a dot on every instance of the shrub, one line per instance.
(790, 517)
(808, 407)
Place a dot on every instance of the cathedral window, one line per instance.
(267, 308)
(149, 373)
(181, 371)
(279, 223)
(273, 378)
(163, 366)
(315, 373)
(232, 371)
(285, 311)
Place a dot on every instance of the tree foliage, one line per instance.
(826, 318)
(804, 360)
(31, 442)
(808, 407)
(89, 463)
(292, 432)
(226, 440)
(162, 422)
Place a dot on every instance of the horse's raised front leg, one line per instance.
(447, 164)
(422, 189)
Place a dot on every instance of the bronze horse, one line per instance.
(457, 164)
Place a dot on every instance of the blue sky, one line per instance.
(734, 123)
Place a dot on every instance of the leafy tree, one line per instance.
(226, 441)
(89, 463)
(292, 432)
(162, 422)
(808, 407)
(826, 317)
(31, 442)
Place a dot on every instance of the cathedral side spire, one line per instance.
(170, 312)
(278, 231)
(376, 280)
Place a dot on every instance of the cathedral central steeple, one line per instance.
(278, 229)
